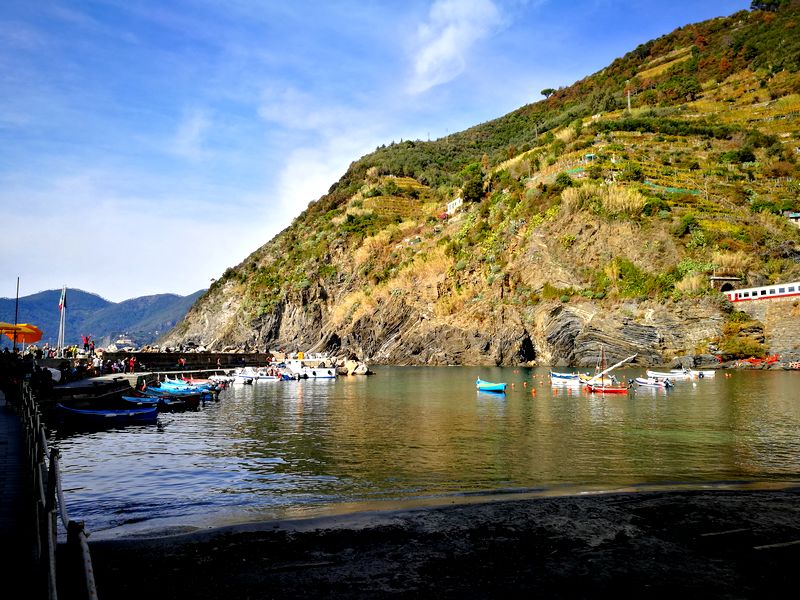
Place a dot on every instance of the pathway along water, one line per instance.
(408, 435)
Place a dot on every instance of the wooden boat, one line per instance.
(653, 382)
(604, 388)
(598, 384)
(565, 377)
(488, 386)
(107, 417)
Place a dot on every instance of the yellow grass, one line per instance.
(692, 284)
(373, 246)
(675, 57)
(612, 199)
(732, 263)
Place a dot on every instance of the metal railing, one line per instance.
(42, 465)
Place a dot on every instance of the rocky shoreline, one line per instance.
(721, 543)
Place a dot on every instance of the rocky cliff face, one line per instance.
(402, 333)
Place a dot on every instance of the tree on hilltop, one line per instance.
(767, 5)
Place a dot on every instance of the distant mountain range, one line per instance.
(141, 319)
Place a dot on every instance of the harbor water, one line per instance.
(410, 436)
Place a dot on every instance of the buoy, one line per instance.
(533, 392)
(524, 384)
(512, 386)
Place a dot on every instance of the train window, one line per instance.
(781, 290)
(772, 291)
(763, 292)
(791, 288)
(746, 295)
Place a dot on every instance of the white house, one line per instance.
(453, 205)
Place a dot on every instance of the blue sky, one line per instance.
(147, 146)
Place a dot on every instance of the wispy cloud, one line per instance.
(189, 139)
(445, 39)
(291, 108)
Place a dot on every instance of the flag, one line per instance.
(62, 302)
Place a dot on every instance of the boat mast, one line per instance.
(611, 368)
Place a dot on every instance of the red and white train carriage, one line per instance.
(778, 290)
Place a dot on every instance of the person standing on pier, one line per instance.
(132, 364)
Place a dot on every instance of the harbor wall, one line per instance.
(781, 319)
(168, 361)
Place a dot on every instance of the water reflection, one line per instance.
(273, 448)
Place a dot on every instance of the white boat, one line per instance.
(564, 376)
(680, 375)
(653, 382)
(245, 375)
(299, 370)
(696, 374)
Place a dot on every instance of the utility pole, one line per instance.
(628, 90)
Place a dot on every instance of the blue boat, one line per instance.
(164, 403)
(565, 378)
(107, 417)
(488, 386)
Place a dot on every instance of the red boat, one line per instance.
(599, 384)
(599, 388)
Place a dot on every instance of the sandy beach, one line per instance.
(707, 543)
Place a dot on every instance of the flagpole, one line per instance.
(62, 305)
(16, 316)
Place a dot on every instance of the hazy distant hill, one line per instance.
(142, 319)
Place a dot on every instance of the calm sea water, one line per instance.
(415, 435)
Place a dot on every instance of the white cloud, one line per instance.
(444, 41)
(294, 109)
(321, 139)
(190, 136)
(309, 171)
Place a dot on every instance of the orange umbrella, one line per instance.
(24, 333)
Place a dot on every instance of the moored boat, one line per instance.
(695, 374)
(297, 369)
(106, 417)
(653, 382)
(488, 386)
(564, 377)
(607, 388)
(164, 403)
(678, 375)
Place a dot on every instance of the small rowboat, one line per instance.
(565, 378)
(124, 416)
(600, 388)
(674, 376)
(652, 382)
(488, 386)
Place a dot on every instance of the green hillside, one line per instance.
(572, 198)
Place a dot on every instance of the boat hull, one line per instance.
(108, 417)
(488, 386)
(606, 389)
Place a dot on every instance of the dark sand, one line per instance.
(690, 544)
